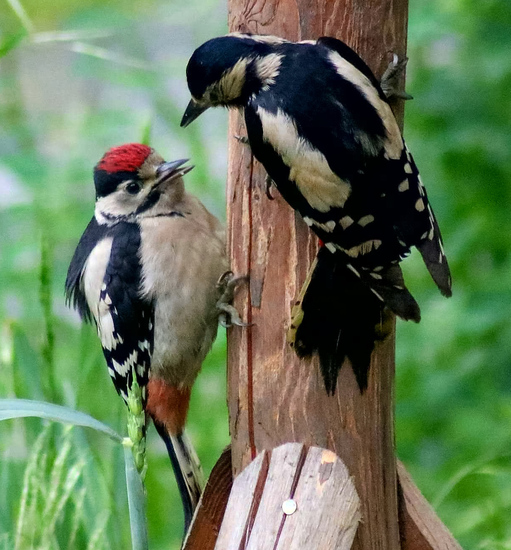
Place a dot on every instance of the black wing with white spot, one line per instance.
(414, 221)
(327, 137)
(126, 319)
(75, 296)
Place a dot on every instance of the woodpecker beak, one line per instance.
(193, 111)
(169, 171)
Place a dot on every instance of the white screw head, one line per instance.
(289, 506)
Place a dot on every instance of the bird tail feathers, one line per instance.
(187, 469)
(340, 314)
(432, 252)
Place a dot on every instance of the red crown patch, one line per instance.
(124, 158)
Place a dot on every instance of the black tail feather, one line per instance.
(341, 317)
(436, 262)
(391, 287)
(187, 470)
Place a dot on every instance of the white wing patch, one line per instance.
(93, 286)
(268, 68)
(320, 186)
(94, 274)
(394, 143)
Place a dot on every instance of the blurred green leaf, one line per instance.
(21, 408)
(9, 42)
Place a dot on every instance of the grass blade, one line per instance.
(21, 408)
(136, 503)
(28, 498)
(19, 10)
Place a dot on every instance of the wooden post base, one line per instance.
(248, 514)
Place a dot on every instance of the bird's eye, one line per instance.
(133, 187)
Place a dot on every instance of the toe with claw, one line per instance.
(242, 139)
(227, 313)
(269, 183)
(391, 76)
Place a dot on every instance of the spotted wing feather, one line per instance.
(126, 327)
(340, 121)
(414, 221)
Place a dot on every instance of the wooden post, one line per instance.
(273, 397)
(221, 510)
(279, 501)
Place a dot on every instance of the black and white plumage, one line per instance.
(104, 285)
(147, 271)
(319, 122)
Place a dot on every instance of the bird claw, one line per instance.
(242, 139)
(390, 79)
(228, 315)
(268, 184)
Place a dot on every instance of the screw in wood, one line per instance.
(289, 506)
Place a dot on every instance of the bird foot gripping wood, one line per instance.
(296, 310)
(228, 315)
(390, 79)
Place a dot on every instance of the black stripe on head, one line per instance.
(107, 182)
(150, 201)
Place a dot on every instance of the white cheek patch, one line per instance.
(393, 143)
(231, 84)
(320, 186)
(118, 204)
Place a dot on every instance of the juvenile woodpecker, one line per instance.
(151, 271)
(319, 122)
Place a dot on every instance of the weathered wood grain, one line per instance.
(327, 506)
(273, 396)
(420, 527)
(205, 527)
(285, 465)
(242, 505)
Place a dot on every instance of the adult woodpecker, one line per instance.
(319, 122)
(151, 271)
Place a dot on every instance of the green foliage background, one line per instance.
(77, 77)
